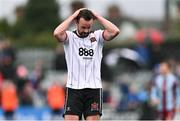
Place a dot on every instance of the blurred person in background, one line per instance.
(143, 51)
(83, 50)
(7, 59)
(24, 87)
(177, 71)
(147, 111)
(55, 99)
(175, 26)
(165, 93)
(124, 90)
(156, 55)
(35, 81)
(75, 5)
(37, 74)
(59, 62)
(133, 100)
(1, 63)
(127, 25)
(115, 15)
(27, 95)
(9, 99)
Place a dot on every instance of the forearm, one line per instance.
(64, 25)
(60, 31)
(111, 30)
(110, 27)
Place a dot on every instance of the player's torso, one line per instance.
(169, 84)
(84, 49)
(83, 57)
(166, 91)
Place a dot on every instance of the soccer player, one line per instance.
(165, 93)
(83, 52)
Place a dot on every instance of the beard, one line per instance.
(83, 34)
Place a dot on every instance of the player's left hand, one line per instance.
(95, 14)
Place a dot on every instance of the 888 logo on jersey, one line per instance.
(86, 52)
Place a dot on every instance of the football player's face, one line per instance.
(84, 27)
(164, 69)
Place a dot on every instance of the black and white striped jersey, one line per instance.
(83, 58)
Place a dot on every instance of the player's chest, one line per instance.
(165, 84)
(84, 43)
(85, 48)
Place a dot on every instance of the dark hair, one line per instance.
(86, 14)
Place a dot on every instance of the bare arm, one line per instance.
(60, 31)
(111, 31)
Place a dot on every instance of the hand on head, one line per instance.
(75, 14)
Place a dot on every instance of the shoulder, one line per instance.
(158, 77)
(69, 36)
(172, 76)
(154, 80)
(98, 32)
(100, 35)
(69, 33)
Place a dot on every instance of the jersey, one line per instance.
(83, 58)
(167, 92)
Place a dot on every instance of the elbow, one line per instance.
(55, 34)
(116, 32)
(59, 36)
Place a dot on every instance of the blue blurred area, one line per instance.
(32, 113)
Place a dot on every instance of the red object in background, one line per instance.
(1, 79)
(140, 36)
(55, 97)
(9, 98)
(153, 35)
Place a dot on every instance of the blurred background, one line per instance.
(33, 67)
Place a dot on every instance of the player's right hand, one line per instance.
(76, 13)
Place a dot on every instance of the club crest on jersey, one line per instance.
(94, 106)
(93, 39)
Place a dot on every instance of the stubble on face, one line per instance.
(84, 27)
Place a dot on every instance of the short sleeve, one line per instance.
(99, 35)
(68, 36)
(178, 93)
